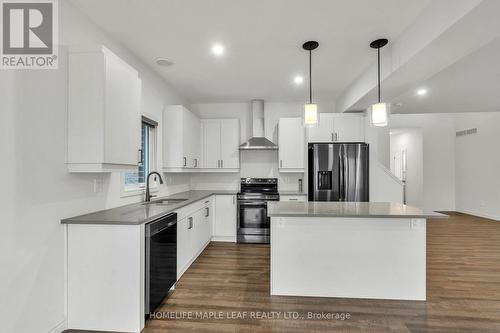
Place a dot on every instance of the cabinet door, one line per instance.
(230, 141)
(207, 222)
(211, 143)
(199, 231)
(349, 128)
(291, 143)
(122, 113)
(225, 219)
(184, 245)
(191, 137)
(325, 131)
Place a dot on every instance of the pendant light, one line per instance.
(379, 113)
(310, 109)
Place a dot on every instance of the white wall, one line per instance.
(39, 191)
(409, 140)
(438, 136)
(478, 165)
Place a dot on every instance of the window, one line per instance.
(136, 180)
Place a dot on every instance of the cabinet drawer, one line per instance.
(293, 198)
(190, 209)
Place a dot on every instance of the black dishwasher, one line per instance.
(161, 260)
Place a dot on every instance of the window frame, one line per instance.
(140, 188)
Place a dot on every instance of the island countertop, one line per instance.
(348, 209)
(139, 213)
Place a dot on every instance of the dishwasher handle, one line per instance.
(159, 225)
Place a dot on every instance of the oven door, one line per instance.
(252, 217)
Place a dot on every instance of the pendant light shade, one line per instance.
(311, 115)
(379, 112)
(311, 118)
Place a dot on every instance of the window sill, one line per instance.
(137, 192)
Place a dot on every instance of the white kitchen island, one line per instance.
(348, 249)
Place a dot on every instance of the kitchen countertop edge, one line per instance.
(193, 196)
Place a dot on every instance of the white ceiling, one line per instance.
(263, 39)
(472, 84)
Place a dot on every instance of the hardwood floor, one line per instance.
(463, 288)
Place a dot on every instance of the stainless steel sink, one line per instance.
(164, 202)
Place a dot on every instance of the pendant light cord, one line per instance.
(378, 74)
(310, 77)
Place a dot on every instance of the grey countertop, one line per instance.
(347, 209)
(139, 213)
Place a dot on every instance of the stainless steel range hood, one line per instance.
(258, 141)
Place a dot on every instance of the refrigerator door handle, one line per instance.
(346, 175)
(341, 175)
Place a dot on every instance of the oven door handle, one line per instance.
(252, 203)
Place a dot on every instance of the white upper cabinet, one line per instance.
(211, 143)
(291, 142)
(220, 142)
(181, 139)
(349, 128)
(230, 143)
(338, 127)
(324, 132)
(104, 117)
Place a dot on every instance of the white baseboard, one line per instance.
(57, 328)
(230, 239)
(486, 216)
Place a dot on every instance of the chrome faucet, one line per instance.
(148, 194)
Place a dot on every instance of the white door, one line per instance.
(291, 143)
(211, 143)
(225, 219)
(325, 131)
(229, 143)
(349, 128)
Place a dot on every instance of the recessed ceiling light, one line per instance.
(422, 92)
(218, 49)
(298, 80)
(161, 61)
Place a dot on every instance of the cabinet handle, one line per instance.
(218, 163)
(207, 214)
(190, 223)
(333, 137)
(195, 162)
(293, 199)
(281, 163)
(222, 164)
(185, 161)
(233, 199)
(139, 156)
(336, 136)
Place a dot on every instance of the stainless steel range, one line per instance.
(253, 223)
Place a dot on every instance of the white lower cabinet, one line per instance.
(294, 197)
(194, 231)
(184, 241)
(225, 218)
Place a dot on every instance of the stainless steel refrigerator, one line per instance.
(338, 171)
